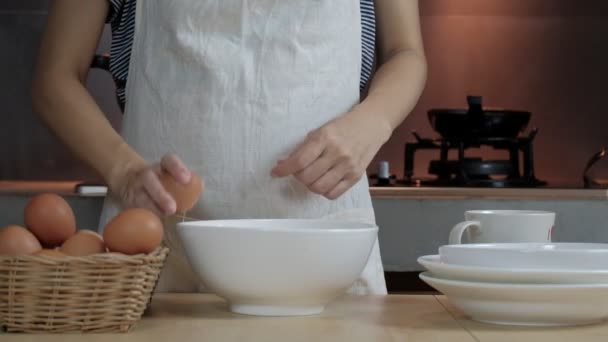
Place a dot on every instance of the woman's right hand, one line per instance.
(138, 185)
(63, 102)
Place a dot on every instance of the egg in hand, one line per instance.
(185, 195)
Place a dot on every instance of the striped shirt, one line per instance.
(122, 22)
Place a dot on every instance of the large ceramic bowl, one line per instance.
(548, 256)
(277, 267)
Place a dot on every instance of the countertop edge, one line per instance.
(487, 193)
(63, 188)
(66, 188)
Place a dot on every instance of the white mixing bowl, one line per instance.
(280, 267)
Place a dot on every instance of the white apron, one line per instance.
(231, 86)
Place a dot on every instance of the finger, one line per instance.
(143, 200)
(176, 168)
(340, 189)
(302, 157)
(157, 169)
(157, 192)
(316, 170)
(329, 180)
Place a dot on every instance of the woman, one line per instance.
(259, 97)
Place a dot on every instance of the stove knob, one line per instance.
(384, 170)
(384, 174)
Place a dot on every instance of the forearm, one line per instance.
(70, 112)
(395, 88)
(59, 96)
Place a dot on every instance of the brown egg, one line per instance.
(16, 240)
(50, 253)
(185, 195)
(50, 218)
(133, 231)
(84, 242)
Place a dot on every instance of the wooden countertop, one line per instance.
(203, 317)
(67, 189)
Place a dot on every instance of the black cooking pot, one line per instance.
(477, 122)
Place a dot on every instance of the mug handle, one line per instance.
(458, 230)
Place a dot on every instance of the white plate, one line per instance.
(588, 256)
(511, 275)
(526, 304)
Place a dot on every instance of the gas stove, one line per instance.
(463, 130)
(464, 171)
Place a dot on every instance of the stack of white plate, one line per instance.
(535, 284)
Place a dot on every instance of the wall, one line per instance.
(545, 56)
(410, 228)
(27, 149)
(87, 210)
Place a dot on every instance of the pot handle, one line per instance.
(475, 113)
(474, 104)
(588, 182)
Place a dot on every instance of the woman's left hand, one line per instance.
(335, 156)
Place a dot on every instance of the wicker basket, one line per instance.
(98, 293)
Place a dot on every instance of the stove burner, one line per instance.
(475, 171)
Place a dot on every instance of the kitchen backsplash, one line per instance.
(547, 57)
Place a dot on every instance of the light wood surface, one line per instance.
(495, 333)
(203, 317)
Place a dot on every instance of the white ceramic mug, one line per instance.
(496, 226)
